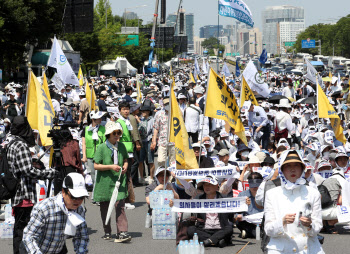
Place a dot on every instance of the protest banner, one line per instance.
(218, 172)
(223, 205)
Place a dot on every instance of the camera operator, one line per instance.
(20, 164)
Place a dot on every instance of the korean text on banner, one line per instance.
(91, 97)
(218, 172)
(39, 110)
(223, 205)
(59, 61)
(255, 81)
(236, 9)
(185, 158)
(221, 104)
(247, 94)
(326, 110)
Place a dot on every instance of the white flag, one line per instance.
(204, 67)
(226, 70)
(255, 81)
(311, 73)
(196, 66)
(59, 61)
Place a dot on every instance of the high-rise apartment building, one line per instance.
(210, 31)
(281, 24)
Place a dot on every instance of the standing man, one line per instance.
(20, 163)
(102, 104)
(258, 121)
(83, 109)
(55, 218)
(283, 121)
(135, 134)
(192, 119)
(128, 92)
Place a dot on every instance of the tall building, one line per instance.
(210, 31)
(198, 49)
(189, 27)
(281, 24)
(130, 15)
(249, 41)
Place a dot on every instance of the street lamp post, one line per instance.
(139, 6)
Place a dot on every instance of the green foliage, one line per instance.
(336, 35)
(210, 43)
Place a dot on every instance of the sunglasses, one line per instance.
(74, 198)
(118, 132)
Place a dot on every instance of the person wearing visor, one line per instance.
(55, 218)
(158, 184)
(111, 160)
(248, 229)
(293, 215)
(215, 229)
(338, 188)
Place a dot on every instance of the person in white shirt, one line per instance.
(283, 121)
(289, 91)
(192, 119)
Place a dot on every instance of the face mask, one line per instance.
(6, 124)
(245, 154)
(312, 157)
(326, 155)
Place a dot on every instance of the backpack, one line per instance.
(280, 134)
(326, 200)
(8, 181)
(143, 129)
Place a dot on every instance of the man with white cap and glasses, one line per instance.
(283, 121)
(55, 218)
(92, 136)
(84, 108)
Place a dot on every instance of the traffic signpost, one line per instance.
(308, 44)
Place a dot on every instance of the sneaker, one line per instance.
(244, 234)
(107, 236)
(150, 180)
(122, 238)
(129, 206)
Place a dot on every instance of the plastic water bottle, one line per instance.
(8, 211)
(180, 247)
(196, 249)
(148, 221)
(10, 230)
(202, 250)
(160, 200)
(195, 237)
(186, 248)
(166, 198)
(257, 232)
(173, 236)
(154, 232)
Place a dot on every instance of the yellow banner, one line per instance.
(91, 97)
(247, 94)
(221, 104)
(326, 110)
(139, 95)
(80, 77)
(185, 158)
(192, 78)
(330, 75)
(40, 111)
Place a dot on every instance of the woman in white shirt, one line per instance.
(293, 215)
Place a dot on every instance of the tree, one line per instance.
(210, 43)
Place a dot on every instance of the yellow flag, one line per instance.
(247, 94)
(221, 104)
(91, 97)
(192, 78)
(185, 158)
(330, 75)
(326, 110)
(80, 77)
(39, 109)
(139, 95)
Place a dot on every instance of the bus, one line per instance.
(213, 59)
(317, 58)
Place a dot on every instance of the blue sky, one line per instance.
(205, 11)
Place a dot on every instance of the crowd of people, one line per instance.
(291, 157)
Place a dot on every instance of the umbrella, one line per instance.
(259, 97)
(276, 99)
(113, 199)
(309, 100)
(336, 94)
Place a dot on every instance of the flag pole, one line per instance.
(92, 87)
(217, 60)
(205, 108)
(28, 84)
(168, 132)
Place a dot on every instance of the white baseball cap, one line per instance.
(75, 183)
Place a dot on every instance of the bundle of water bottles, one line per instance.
(191, 247)
(6, 228)
(163, 219)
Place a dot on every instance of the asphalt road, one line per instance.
(142, 242)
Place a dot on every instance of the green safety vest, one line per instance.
(91, 144)
(126, 138)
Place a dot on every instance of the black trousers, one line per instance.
(22, 217)
(194, 136)
(23, 250)
(248, 227)
(215, 235)
(134, 168)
